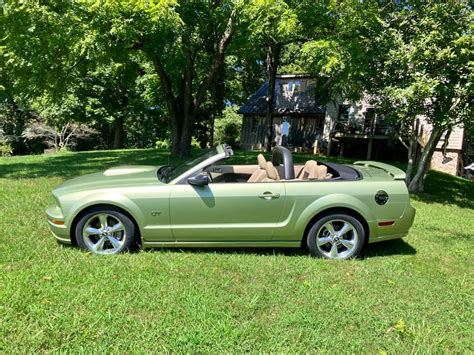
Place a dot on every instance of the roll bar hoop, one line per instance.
(283, 155)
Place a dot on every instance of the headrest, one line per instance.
(317, 172)
(313, 171)
(262, 163)
(322, 172)
(309, 166)
(271, 171)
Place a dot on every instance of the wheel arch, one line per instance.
(335, 210)
(81, 212)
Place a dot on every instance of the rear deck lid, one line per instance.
(381, 169)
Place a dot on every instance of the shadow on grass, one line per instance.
(388, 248)
(447, 189)
(73, 164)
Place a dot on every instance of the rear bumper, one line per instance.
(398, 230)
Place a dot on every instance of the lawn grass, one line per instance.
(413, 295)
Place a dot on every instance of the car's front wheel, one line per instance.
(105, 231)
(336, 236)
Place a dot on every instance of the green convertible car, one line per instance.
(334, 209)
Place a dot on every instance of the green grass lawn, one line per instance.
(413, 295)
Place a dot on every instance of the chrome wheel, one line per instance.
(104, 233)
(337, 239)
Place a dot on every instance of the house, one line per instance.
(297, 118)
(341, 127)
(300, 123)
(451, 155)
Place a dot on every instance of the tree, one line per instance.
(228, 127)
(184, 41)
(67, 71)
(422, 65)
(58, 139)
(272, 25)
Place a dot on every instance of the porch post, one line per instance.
(369, 148)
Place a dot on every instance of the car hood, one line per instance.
(120, 176)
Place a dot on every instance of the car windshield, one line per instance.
(169, 172)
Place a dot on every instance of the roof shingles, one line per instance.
(303, 102)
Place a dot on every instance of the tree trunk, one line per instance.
(273, 60)
(186, 135)
(412, 144)
(182, 106)
(417, 183)
(119, 133)
(211, 130)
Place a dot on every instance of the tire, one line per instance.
(105, 231)
(324, 238)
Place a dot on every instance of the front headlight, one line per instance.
(53, 201)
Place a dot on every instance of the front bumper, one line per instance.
(56, 223)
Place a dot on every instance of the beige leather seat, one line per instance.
(313, 171)
(309, 171)
(321, 172)
(259, 174)
(271, 172)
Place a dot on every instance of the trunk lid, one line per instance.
(379, 171)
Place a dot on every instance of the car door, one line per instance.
(226, 211)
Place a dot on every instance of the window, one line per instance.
(343, 115)
(369, 120)
(294, 87)
(319, 122)
(254, 123)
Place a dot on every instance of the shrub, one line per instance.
(163, 144)
(5, 149)
(195, 144)
(227, 127)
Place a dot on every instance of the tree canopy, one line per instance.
(147, 70)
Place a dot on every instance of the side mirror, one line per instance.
(201, 179)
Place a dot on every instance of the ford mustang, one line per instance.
(333, 209)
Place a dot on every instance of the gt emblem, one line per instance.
(155, 213)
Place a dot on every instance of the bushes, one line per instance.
(227, 128)
(5, 146)
(165, 144)
(5, 149)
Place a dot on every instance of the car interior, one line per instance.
(271, 171)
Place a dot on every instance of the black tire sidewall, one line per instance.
(311, 236)
(127, 223)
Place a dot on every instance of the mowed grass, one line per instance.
(413, 295)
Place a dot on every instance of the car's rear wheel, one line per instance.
(105, 231)
(336, 236)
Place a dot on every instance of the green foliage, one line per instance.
(220, 300)
(162, 144)
(228, 127)
(5, 149)
(273, 21)
(152, 63)
(422, 63)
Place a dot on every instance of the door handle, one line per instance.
(267, 195)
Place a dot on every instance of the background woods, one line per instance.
(132, 73)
